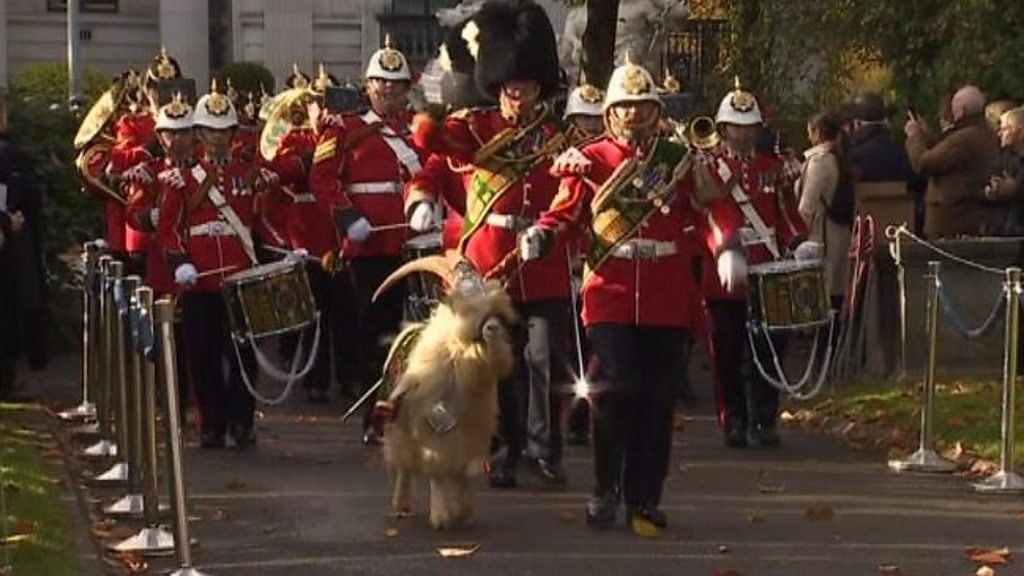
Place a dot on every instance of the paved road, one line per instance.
(311, 500)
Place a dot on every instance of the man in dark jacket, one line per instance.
(874, 154)
(22, 282)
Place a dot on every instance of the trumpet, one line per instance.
(700, 133)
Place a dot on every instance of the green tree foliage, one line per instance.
(803, 54)
(247, 77)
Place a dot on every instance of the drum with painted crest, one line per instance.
(424, 290)
(269, 300)
(788, 295)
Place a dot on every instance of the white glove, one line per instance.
(531, 244)
(572, 161)
(808, 250)
(422, 217)
(173, 178)
(186, 275)
(732, 270)
(359, 230)
(138, 174)
(296, 256)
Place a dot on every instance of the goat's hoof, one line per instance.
(403, 512)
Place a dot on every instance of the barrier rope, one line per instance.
(892, 232)
(956, 321)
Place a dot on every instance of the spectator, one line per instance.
(22, 282)
(1005, 190)
(824, 176)
(958, 165)
(874, 154)
(994, 113)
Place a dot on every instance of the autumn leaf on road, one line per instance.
(235, 484)
(988, 556)
(819, 514)
(458, 551)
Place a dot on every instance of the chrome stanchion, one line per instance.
(153, 539)
(1006, 481)
(164, 316)
(131, 503)
(119, 472)
(901, 280)
(92, 429)
(105, 447)
(925, 459)
(87, 409)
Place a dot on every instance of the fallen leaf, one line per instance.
(988, 556)
(985, 571)
(235, 484)
(390, 532)
(755, 516)
(220, 514)
(955, 452)
(723, 549)
(133, 561)
(645, 528)
(14, 539)
(459, 551)
(726, 573)
(888, 570)
(819, 514)
(568, 516)
(767, 487)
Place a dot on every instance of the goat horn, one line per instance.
(436, 264)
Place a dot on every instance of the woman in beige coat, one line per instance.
(819, 180)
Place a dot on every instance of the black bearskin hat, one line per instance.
(460, 91)
(515, 42)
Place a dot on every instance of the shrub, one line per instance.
(247, 77)
(42, 125)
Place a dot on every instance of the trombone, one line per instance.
(700, 133)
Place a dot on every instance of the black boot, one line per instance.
(602, 509)
(766, 436)
(736, 434)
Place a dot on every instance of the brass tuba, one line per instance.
(702, 133)
(286, 110)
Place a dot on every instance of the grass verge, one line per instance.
(887, 416)
(37, 537)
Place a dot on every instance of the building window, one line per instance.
(83, 5)
(420, 7)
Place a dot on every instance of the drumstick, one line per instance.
(205, 273)
(288, 252)
(387, 227)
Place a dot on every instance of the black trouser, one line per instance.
(529, 401)
(319, 377)
(363, 323)
(637, 371)
(225, 403)
(731, 354)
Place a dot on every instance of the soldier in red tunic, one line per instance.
(635, 193)
(508, 151)
(758, 185)
(204, 229)
(308, 228)
(136, 142)
(360, 165)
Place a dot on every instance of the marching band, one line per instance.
(346, 187)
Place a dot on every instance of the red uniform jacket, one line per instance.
(306, 221)
(642, 292)
(133, 133)
(493, 249)
(142, 215)
(771, 194)
(357, 174)
(191, 229)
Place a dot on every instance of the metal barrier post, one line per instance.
(105, 447)
(97, 336)
(120, 471)
(131, 503)
(152, 539)
(164, 316)
(87, 409)
(1007, 481)
(925, 459)
(901, 280)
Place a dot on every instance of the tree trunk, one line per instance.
(599, 41)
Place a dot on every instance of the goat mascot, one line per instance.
(442, 411)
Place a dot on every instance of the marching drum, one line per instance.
(268, 300)
(425, 290)
(788, 295)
